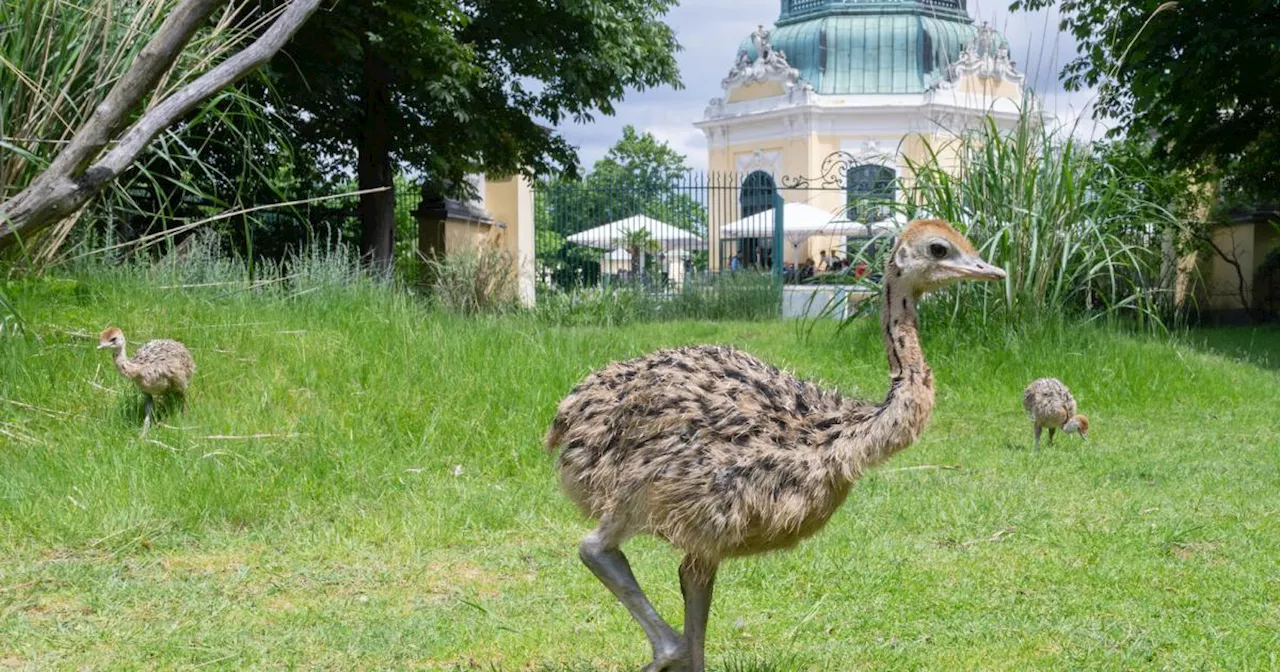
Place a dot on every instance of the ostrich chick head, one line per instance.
(930, 254)
(112, 338)
(1078, 424)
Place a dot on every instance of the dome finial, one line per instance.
(760, 39)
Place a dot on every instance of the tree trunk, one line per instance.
(377, 209)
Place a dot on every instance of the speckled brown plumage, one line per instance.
(724, 455)
(714, 450)
(1050, 405)
(161, 366)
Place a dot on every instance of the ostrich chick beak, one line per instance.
(974, 268)
(103, 345)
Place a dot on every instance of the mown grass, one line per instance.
(400, 511)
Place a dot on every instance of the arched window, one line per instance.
(868, 188)
(756, 196)
(757, 193)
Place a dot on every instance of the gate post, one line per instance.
(778, 218)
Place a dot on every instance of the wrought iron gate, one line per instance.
(669, 235)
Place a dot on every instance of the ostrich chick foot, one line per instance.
(672, 659)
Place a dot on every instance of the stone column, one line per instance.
(510, 200)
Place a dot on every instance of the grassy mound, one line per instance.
(359, 482)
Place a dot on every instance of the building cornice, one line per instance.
(799, 125)
(923, 105)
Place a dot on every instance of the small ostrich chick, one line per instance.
(159, 367)
(1049, 404)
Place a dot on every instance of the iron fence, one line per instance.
(668, 235)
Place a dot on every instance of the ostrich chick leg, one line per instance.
(696, 583)
(146, 412)
(1037, 447)
(607, 562)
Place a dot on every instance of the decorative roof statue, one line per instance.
(981, 57)
(760, 39)
(770, 65)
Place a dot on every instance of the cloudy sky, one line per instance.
(710, 31)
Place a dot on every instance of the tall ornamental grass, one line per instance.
(1074, 235)
(58, 60)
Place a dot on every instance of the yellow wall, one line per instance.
(1249, 244)
(755, 91)
(470, 236)
(989, 89)
(510, 200)
(723, 206)
(1222, 285)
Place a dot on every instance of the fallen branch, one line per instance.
(152, 238)
(18, 436)
(47, 411)
(925, 467)
(248, 437)
(998, 536)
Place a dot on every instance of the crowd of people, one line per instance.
(828, 262)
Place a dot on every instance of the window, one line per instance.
(928, 58)
(757, 193)
(756, 196)
(869, 190)
(822, 49)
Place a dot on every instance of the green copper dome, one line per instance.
(870, 46)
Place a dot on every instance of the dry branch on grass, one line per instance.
(924, 467)
(247, 437)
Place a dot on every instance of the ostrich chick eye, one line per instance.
(938, 250)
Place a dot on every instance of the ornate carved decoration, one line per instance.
(769, 161)
(835, 172)
(870, 152)
(770, 65)
(981, 58)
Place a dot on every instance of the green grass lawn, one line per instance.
(359, 483)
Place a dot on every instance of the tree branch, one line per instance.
(154, 60)
(225, 74)
(66, 185)
(1207, 237)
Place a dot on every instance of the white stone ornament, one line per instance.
(980, 58)
(770, 65)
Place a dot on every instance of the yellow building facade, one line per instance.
(832, 104)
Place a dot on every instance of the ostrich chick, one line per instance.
(159, 367)
(1049, 404)
(723, 455)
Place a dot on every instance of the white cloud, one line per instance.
(710, 31)
(683, 138)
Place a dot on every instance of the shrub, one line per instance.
(474, 282)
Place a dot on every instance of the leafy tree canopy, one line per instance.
(640, 175)
(449, 88)
(1196, 76)
(469, 85)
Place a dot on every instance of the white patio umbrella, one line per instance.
(621, 254)
(800, 221)
(610, 236)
